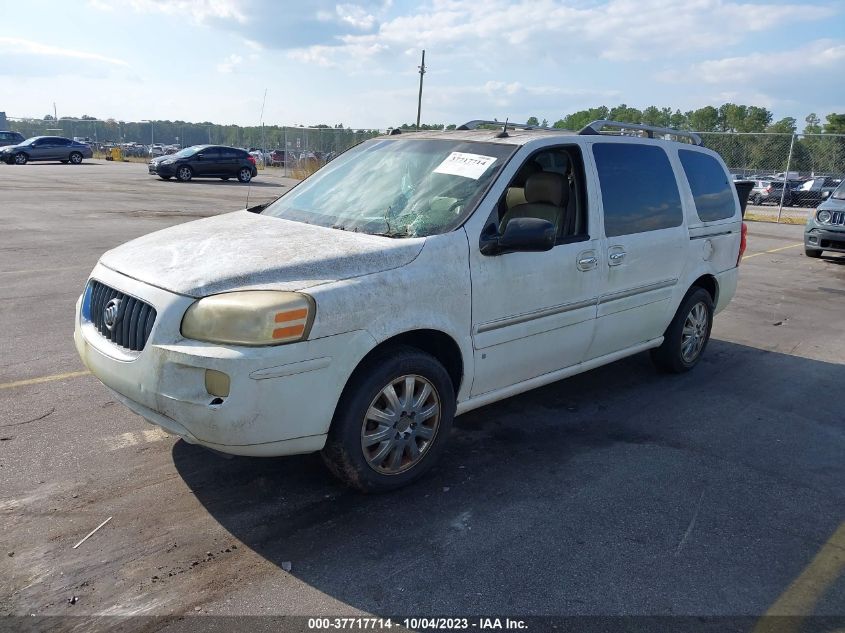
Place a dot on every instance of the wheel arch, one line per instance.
(710, 284)
(435, 342)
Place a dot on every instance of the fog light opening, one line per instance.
(217, 383)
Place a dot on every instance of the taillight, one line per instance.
(743, 242)
(251, 159)
(769, 189)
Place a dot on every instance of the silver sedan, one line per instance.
(54, 148)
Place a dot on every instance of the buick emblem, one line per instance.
(110, 313)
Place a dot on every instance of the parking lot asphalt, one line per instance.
(620, 491)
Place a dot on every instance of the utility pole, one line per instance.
(419, 99)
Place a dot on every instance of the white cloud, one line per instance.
(11, 45)
(350, 14)
(198, 10)
(229, 64)
(618, 30)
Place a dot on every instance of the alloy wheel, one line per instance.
(694, 334)
(400, 425)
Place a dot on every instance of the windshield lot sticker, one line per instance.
(466, 165)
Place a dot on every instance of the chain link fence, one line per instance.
(791, 161)
(791, 170)
(296, 150)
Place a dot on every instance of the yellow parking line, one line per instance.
(40, 379)
(774, 250)
(802, 595)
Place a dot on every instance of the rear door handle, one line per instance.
(616, 257)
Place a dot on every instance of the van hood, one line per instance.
(248, 251)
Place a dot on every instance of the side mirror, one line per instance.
(199, 156)
(520, 235)
(825, 195)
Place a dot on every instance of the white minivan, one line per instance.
(414, 278)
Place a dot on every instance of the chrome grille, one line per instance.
(837, 218)
(132, 323)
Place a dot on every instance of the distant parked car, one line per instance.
(813, 192)
(770, 192)
(205, 161)
(277, 158)
(57, 148)
(10, 138)
(157, 149)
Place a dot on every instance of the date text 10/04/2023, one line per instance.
(419, 624)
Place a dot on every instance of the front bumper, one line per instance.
(825, 240)
(281, 399)
(160, 169)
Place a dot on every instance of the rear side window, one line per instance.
(711, 190)
(638, 188)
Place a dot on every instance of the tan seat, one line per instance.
(515, 194)
(546, 195)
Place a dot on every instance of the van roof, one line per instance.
(521, 134)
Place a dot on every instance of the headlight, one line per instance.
(250, 317)
(823, 216)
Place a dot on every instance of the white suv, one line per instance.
(412, 279)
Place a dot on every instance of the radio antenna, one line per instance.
(261, 123)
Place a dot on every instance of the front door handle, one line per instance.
(587, 260)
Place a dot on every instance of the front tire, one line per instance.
(392, 421)
(75, 158)
(687, 335)
(244, 175)
(184, 173)
(812, 252)
(21, 158)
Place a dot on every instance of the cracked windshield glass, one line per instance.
(396, 188)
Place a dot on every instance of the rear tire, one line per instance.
(75, 158)
(687, 335)
(184, 173)
(392, 421)
(244, 174)
(812, 252)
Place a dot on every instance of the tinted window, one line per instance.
(211, 153)
(714, 199)
(229, 153)
(638, 188)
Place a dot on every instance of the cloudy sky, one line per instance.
(356, 62)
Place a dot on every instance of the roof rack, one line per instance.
(472, 125)
(596, 126)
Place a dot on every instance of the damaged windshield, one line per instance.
(396, 187)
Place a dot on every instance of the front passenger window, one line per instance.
(549, 186)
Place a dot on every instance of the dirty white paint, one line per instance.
(243, 250)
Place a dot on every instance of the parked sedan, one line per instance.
(57, 148)
(205, 161)
(771, 192)
(814, 191)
